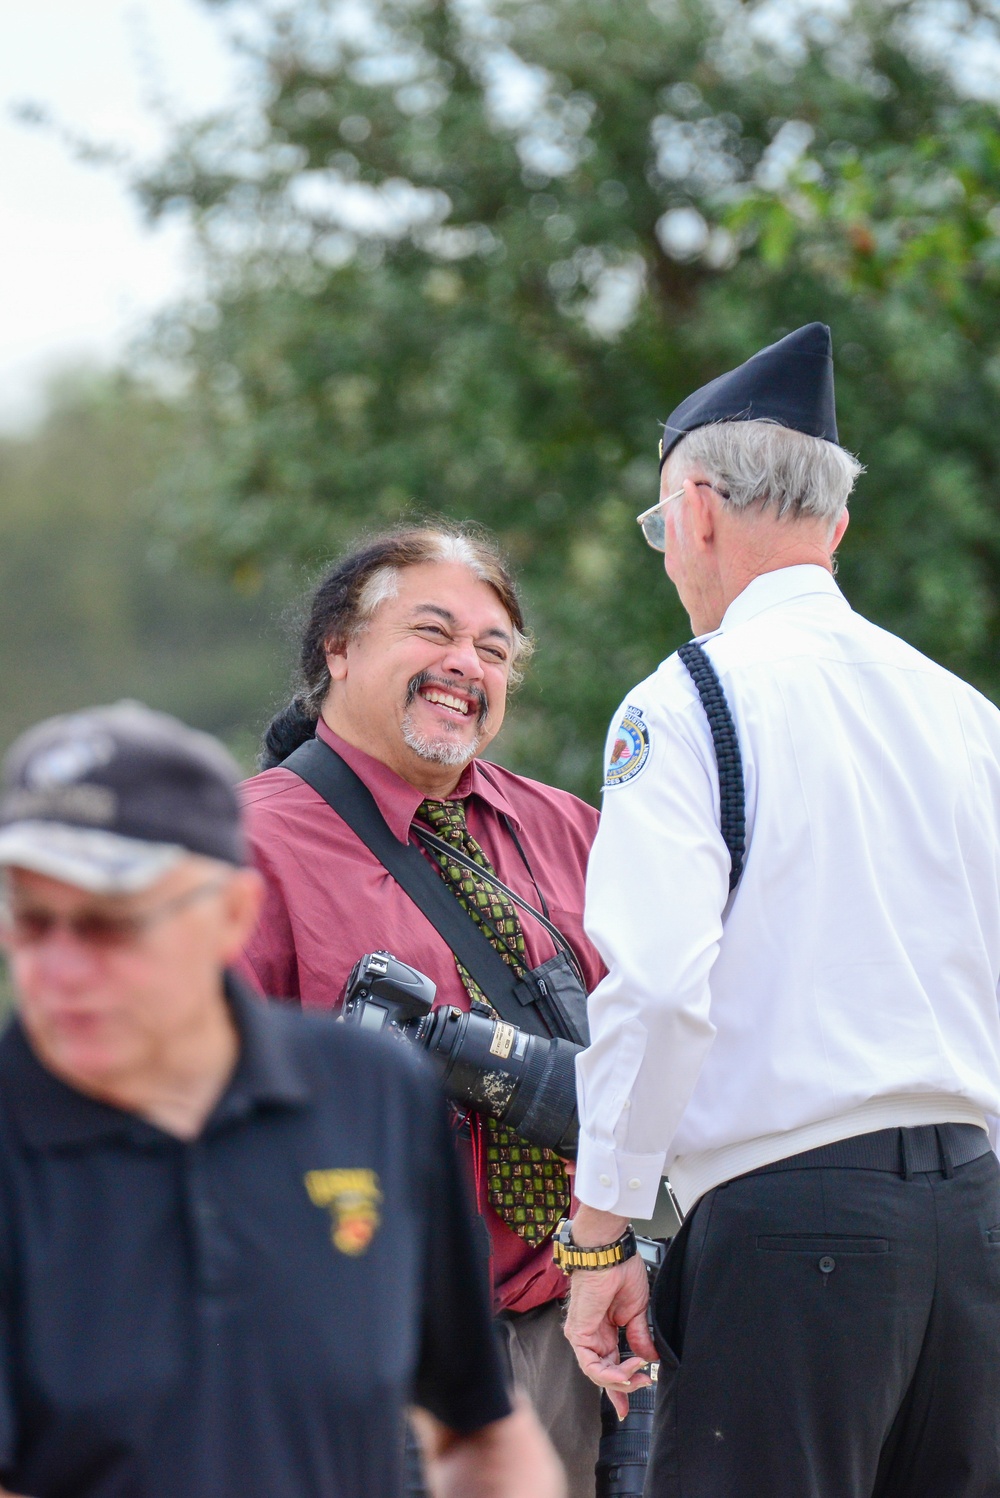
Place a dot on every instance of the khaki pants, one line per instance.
(541, 1362)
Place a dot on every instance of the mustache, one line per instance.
(469, 689)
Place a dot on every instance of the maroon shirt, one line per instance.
(329, 901)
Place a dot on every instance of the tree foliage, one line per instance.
(463, 257)
(91, 608)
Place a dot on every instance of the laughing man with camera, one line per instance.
(386, 840)
(800, 1017)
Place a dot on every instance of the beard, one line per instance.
(440, 748)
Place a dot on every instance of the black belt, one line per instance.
(904, 1152)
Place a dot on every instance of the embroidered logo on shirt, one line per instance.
(630, 750)
(352, 1197)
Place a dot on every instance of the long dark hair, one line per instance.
(347, 597)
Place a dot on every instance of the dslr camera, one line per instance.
(526, 1082)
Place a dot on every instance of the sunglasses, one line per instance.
(30, 925)
(652, 522)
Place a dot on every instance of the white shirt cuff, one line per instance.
(612, 1181)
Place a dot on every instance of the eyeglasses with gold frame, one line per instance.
(652, 521)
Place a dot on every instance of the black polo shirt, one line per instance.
(245, 1315)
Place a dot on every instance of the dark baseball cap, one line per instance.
(111, 798)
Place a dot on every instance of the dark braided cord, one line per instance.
(732, 796)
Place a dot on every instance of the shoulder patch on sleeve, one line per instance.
(629, 748)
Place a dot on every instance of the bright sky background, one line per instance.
(79, 271)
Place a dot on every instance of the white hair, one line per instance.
(761, 463)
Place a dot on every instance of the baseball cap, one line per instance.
(110, 798)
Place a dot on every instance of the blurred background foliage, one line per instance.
(92, 605)
(461, 257)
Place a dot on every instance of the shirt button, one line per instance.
(605, 1180)
(627, 1103)
(634, 1183)
(827, 1264)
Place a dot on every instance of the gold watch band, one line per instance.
(568, 1256)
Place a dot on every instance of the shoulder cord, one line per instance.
(732, 793)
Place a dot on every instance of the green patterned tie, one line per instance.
(528, 1186)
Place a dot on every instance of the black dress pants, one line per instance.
(833, 1331)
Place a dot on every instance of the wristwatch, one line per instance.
(568, 1256)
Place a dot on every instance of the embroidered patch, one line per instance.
(630, 750)
(353, 1198)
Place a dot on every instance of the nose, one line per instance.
(63, 959)
(462, 659)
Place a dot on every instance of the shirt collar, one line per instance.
(398, 800)
(781, 586)
(51, 1114)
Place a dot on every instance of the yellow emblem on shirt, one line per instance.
(353, 1198)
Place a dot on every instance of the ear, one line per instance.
(701, 504)
(839, 529)
(242, 898)
(336, 659)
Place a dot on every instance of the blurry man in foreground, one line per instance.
(224, 1226)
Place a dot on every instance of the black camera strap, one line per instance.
(321, 767)
(732, 793)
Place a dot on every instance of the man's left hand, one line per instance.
(603, 1300)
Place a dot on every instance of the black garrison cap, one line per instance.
(790, 382)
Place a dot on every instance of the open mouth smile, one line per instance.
(465, 704)
(460, 705)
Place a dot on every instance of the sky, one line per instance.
(80, 272)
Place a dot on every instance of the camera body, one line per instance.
(383, 993)
(527, 1082)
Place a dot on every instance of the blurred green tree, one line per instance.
(91, 607)
(464, 254)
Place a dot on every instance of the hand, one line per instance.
(511, 1458)
(600, 1302)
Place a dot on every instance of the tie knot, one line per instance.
(446, 817)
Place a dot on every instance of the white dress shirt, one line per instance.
(850, 982)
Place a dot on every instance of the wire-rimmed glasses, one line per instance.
(652, 522)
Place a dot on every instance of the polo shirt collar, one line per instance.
(50, 1114)
(268, 1073)
(398, 800)
(781, 586)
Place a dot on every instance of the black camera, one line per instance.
(527, 1082)
(623, 1454)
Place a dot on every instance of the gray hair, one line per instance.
(445, 546)
(761, 463)
(351, 593)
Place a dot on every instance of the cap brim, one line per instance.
(102, 862)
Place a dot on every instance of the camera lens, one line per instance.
(623, 1454)
(525, 1081)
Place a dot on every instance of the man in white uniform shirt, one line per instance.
(809, 1044)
